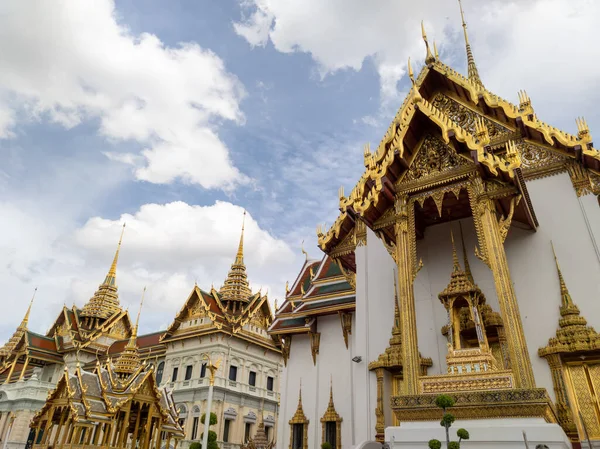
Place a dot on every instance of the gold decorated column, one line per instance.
(565, 416)
(379, 413)
(491, 241)
(405, 235)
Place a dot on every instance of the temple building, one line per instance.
(439, 277)
(145, 374)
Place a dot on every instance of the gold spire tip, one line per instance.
(112, 273)
(410, 72)
(456, 264)
(137, 320)
(239, 258)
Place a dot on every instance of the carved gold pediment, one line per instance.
(433, 158)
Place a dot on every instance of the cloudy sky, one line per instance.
(176, 116)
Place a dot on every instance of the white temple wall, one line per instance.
(533, 270)
(375, 314)
(591, 210)
(300, 368)
(333, 364)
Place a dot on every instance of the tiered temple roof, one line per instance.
(233, 309)
(321, 288)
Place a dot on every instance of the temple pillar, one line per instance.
(24, 368)
(405, 240)
(565, 415)
(492, 253)
(379, 412)
(10, 372)
(125, 427)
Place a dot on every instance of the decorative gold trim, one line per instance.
(513, 403)
(285, 349)
(299, 418)
(332, 416)
(346, 320)
(315, 340)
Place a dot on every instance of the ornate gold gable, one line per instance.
(573, 359)
(331, 415)
(299, 418)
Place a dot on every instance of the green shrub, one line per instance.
(444, 402)
(195, 445)
(326, 445)
(213, 418)
(447, 420)
(435, 444)
(212, 440)
(462, 434)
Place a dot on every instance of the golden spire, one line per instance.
(129, 360)
(239, 258)
(455, 263)
(565, 296)
(573, 335)
(460, 281)
(465, 258)
(12, 343)
(236, 286)
(26, 317)
(111, 277)
(473, 72)
(435, 51)
(429, 58)
(105, 301)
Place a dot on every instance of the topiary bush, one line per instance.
(212, 436)
(212, 440)
(195, 445)
(444, 402)
(213, 418)
(435, 444)
(326, 445)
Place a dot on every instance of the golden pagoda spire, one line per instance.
(472, 68)
(111, 276)
(239, 258)
(12, 343)
(105, 301)
(565, 296)
(455, 263)
(129, 360)
(26, 317)
(465, 258)
(236, 286)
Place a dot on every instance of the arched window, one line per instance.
(159, 372)
(195, 421)
(182, 414)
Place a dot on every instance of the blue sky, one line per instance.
(176, 116)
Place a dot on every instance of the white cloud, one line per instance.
(546, 46)
(70, 61)
(166, 247)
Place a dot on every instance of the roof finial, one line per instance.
(112, 273)
(564, 292)
(429, 58)
(411, 74)
(137, 320)
(304, 251)
(26, 318)
(472, 68)
(456, 264)
(465, 258)
(239, 258)
(435, 51)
